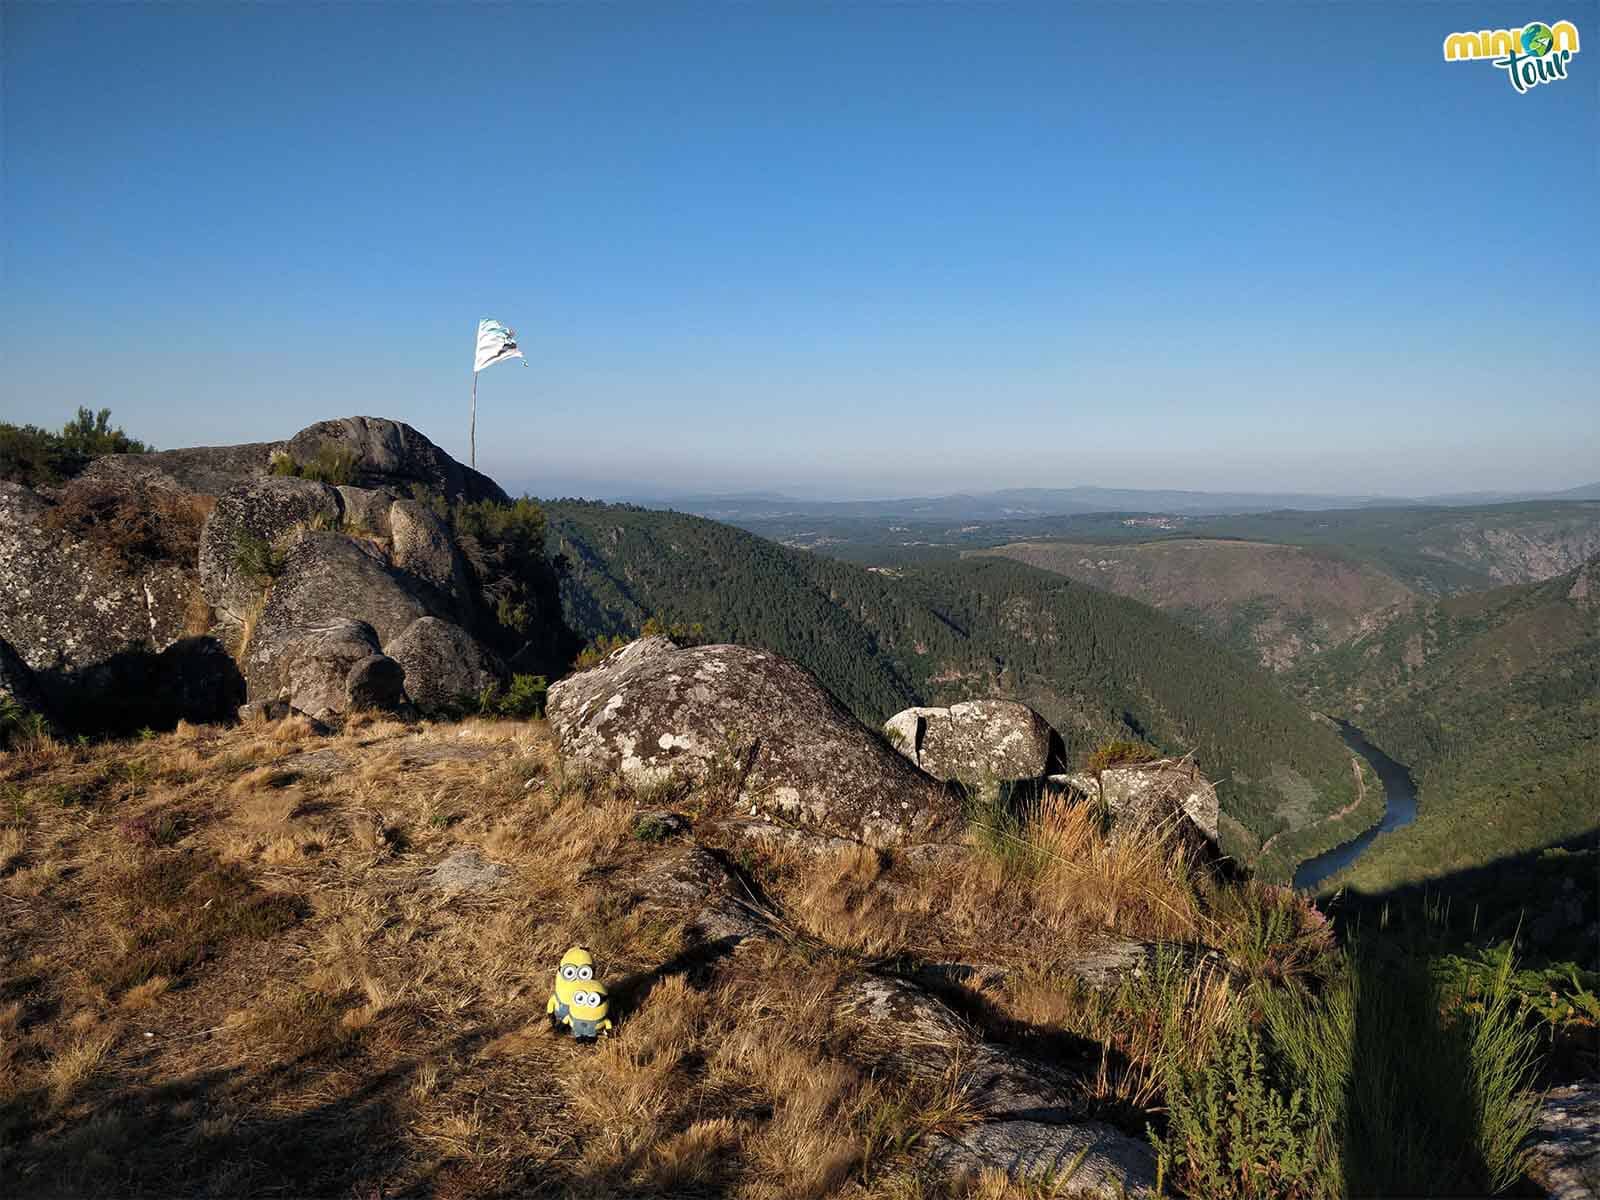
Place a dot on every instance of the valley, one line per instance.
(1098, 667)
(1336, 604)
(1274, 603)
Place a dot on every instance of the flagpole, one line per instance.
(472, 452)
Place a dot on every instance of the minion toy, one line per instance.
(586, 1015)
(575, 971)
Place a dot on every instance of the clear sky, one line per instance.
(830, 248)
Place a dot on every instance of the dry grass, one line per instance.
(76, 1064)
(322, 1020)
(1050, 886)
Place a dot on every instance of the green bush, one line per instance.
(33, 456)
(1412, 1096)
(18, 724)
(257, 557)
(333, 464)
(524, 699)
(504, 545)
(1235, 1131)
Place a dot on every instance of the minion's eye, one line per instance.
(585, 972)
(569, 973)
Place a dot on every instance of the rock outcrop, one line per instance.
(329, 581)
(1138, 794)
(1564, 1155)
(1029, 1125)
(66, 603)
(320, 664)
(252, 517)
(757, 731)
(383, 453)
(106, 581)
(978, 742)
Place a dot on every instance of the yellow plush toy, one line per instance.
(586, 1016)
(575, 971)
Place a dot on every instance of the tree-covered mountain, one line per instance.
(1493, 699)
(1095, 665)
(1272, 603)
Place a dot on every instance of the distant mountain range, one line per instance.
(1046, 502)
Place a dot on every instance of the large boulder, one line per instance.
(978, 742)
(445, 667)
(254, 515)
(386, 453)
(757, 731)
(366, 510)
(320, 664)
(1141, 794)
(376, 682)
(79, 584)
(324, 577)
(195, 470)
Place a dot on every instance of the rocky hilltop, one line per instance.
(925, 958)
(325, 572)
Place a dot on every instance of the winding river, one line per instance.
(1399, 809)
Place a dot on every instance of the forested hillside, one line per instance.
(1493, 700)
(1096, 665)
(1274, 604)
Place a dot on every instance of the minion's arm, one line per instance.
(550, 1005)
(606, 1025)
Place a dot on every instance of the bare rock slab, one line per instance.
(1029, 1123)
(466, 870)
(1092, 1159)
(757, 731)
(1566, 1142)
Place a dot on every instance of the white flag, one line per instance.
(496, 343)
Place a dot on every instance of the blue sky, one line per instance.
(835, 249)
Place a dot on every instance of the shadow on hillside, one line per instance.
(1547, 899)
(1421, 1095)
(226, 1132)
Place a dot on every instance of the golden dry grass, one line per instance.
(225, 970)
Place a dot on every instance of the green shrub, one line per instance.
(1274, 934)
(1412, 1098)
(33, 456)
(596, 651)
(653, 827)
(333, 464)
(257, 557)
(1235, 1131)
(504, 545)
(18, 724)
(524, 699)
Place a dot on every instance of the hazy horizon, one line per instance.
(833, 251)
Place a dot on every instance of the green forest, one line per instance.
(1095, 665)
(1493, 700)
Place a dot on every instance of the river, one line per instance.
(1399, 809)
